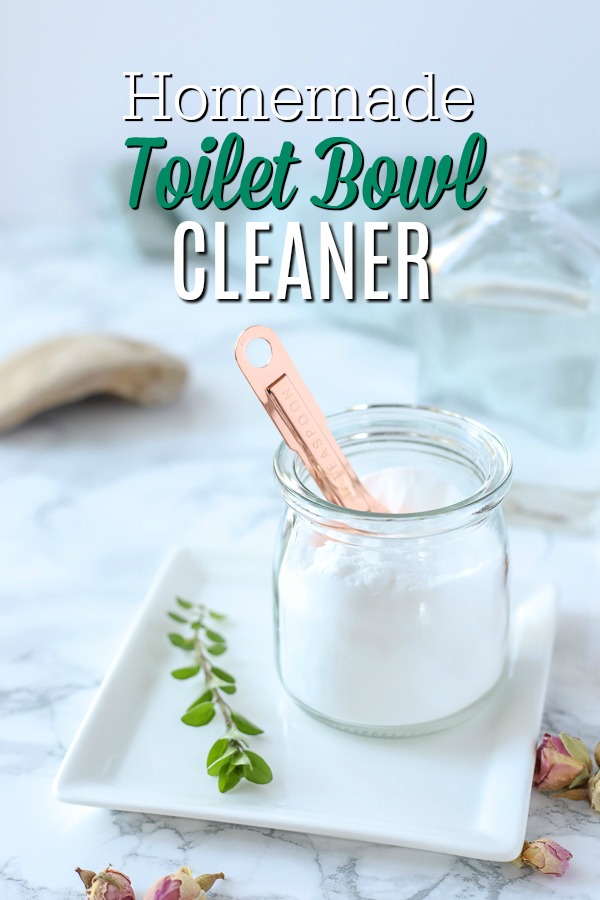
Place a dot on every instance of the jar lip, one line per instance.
(286, 465)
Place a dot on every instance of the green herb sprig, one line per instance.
(229, 758)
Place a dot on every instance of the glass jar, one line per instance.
(512, 336)
(395, 624)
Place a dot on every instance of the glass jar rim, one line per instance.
(287, 466)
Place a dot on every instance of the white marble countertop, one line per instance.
(94, 495)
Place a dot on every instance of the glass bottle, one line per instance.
(512, 336)
(395, 624)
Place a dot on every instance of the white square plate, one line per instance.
(464, 791)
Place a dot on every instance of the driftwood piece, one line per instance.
(71, 368)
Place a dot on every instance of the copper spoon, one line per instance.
(301, 423)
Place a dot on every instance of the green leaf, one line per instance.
(216, 766)
(215, 636)
(574, 747)
(187, 672)
(223, 774)
(223, 675)
(199, 715)
(219, 617)
(229, 777)
(245, 725)
(218, 755)
(177, 618)
(258, 771)
(178, 640)
(217, 750)
(207, 695)
(185, 604)
(196, 625)
(217, 649)
(240, 759)
(216, 682)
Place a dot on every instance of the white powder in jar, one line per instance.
(393, 632)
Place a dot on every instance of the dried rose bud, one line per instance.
(546, 856)
(597, 753)
(207, 881)
(182, 886)
(594, 791)
(561, 762)
(87, 876)
(106, 885)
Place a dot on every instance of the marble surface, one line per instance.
(92, 497)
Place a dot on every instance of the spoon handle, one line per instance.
(301, 422)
